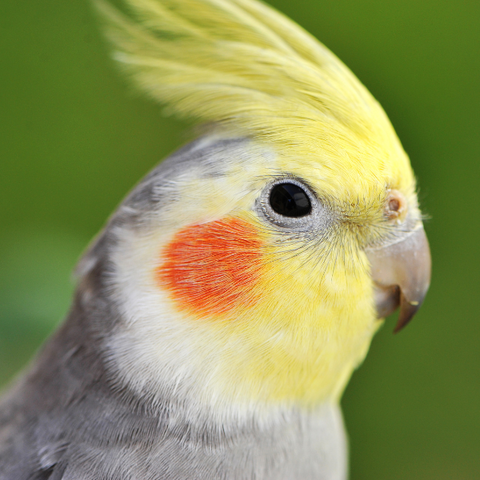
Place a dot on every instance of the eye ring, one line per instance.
(312, 214)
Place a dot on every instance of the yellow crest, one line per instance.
(242, 64)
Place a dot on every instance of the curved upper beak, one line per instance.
(401, 272)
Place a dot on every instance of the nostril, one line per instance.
(396, 205)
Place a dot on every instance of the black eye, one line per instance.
(290, 200)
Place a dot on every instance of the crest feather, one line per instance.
(244, 65)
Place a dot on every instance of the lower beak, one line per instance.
(401, 273)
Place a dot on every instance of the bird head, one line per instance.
(252, 266)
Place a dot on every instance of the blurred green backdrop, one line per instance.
(75, 138)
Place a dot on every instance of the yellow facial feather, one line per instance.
(311, 329)
(311, 316)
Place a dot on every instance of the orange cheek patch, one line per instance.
(212, 268)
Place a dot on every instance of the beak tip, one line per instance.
(407, 312)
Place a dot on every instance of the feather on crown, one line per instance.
(242, 64)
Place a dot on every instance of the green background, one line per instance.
(74, 138)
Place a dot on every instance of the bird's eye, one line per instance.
(290, 200)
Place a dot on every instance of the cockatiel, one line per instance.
(220, 313)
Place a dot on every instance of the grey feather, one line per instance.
(69, 417)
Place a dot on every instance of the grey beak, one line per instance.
(401, 272)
